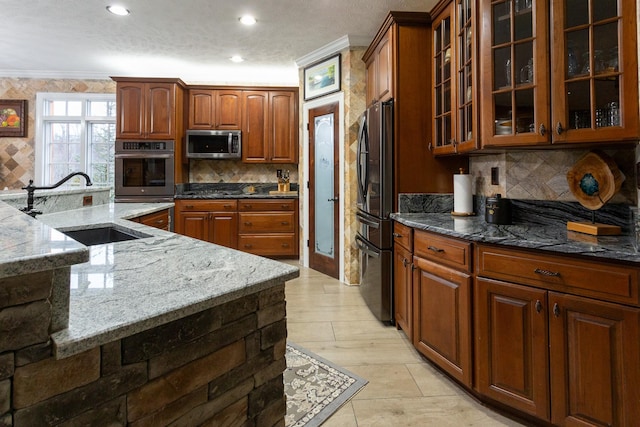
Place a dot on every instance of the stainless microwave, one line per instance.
(214, 144)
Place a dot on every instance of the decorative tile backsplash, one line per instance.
(541, 174)
(236, 171)
(17, 158)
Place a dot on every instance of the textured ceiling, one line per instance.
(190, 39)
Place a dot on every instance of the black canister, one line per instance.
(497, 210)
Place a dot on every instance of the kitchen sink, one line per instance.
(102, 235)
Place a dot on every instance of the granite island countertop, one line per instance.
(123, 288)
(548, 237)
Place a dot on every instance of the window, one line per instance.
(75, 132)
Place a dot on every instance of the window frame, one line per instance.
(85, 121)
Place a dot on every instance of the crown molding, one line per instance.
(332, 48)
(63, 75)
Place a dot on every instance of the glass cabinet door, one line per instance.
(443, 101)
(466, 115)
(515, 73)
(595, 71)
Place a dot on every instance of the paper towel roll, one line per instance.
(462, 197)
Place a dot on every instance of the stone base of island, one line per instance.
(216, 357)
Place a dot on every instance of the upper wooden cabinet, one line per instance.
(215, 109)
(405, 39)
(454, 77)
(270, 126)
(148, 108)
(380, 70)
(586, 92)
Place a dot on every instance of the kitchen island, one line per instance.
(160, 329)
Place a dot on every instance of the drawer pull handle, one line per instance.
(227, 206)
(247, 206)
(285, 245)
(248, 245)
(248, 223)
(189, 206)
(284, 223)
(434, 249)
(556, 310)
(405, 262)
(397, 235)
(285, 207)
(538, 306)
(546, 272)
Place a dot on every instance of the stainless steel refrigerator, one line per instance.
(375, 203)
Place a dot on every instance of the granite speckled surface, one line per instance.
(231, 190)
(551, 237)
(123, 288)
(59, 199)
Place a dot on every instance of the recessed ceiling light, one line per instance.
(236, 58)
(247, 20)
(118, 10)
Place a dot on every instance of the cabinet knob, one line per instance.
(397, 235)
(556, 310)
(559, 128)
(538, 306)
(405, 262)
(543, 130)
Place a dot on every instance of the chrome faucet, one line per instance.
(32, 188)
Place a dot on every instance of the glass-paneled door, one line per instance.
(515, 92)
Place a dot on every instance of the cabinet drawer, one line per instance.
(266, 222)
(226, 205)
(266, 205)
(445, 250)
(588, 278)
(403, 236)
(268, 244)
(157, 219)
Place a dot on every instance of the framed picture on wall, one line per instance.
(322, 78)
(13, 117)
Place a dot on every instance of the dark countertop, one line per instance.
(552, 237)
(232, 191)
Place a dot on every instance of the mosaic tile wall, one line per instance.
(354, 84)
(17, 159)
(541, 174)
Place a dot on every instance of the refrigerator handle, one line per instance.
(362, 245)
(363, 158)
(366, 221)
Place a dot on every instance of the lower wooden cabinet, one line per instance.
(554, 337)
(211, 221)
(159, 220)
(561, 358)
(512, 363)
(402, 278)
(594, 350)
(442, 317)
(267, 227)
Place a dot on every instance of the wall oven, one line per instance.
(144, 171)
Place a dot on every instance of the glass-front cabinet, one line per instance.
(595, 96)
(454, 78)
(568, 74)
(515, 73)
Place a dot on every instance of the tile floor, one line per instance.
(331, 319)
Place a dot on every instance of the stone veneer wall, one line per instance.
(222, 366)
(354, 85)
(17, 158)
